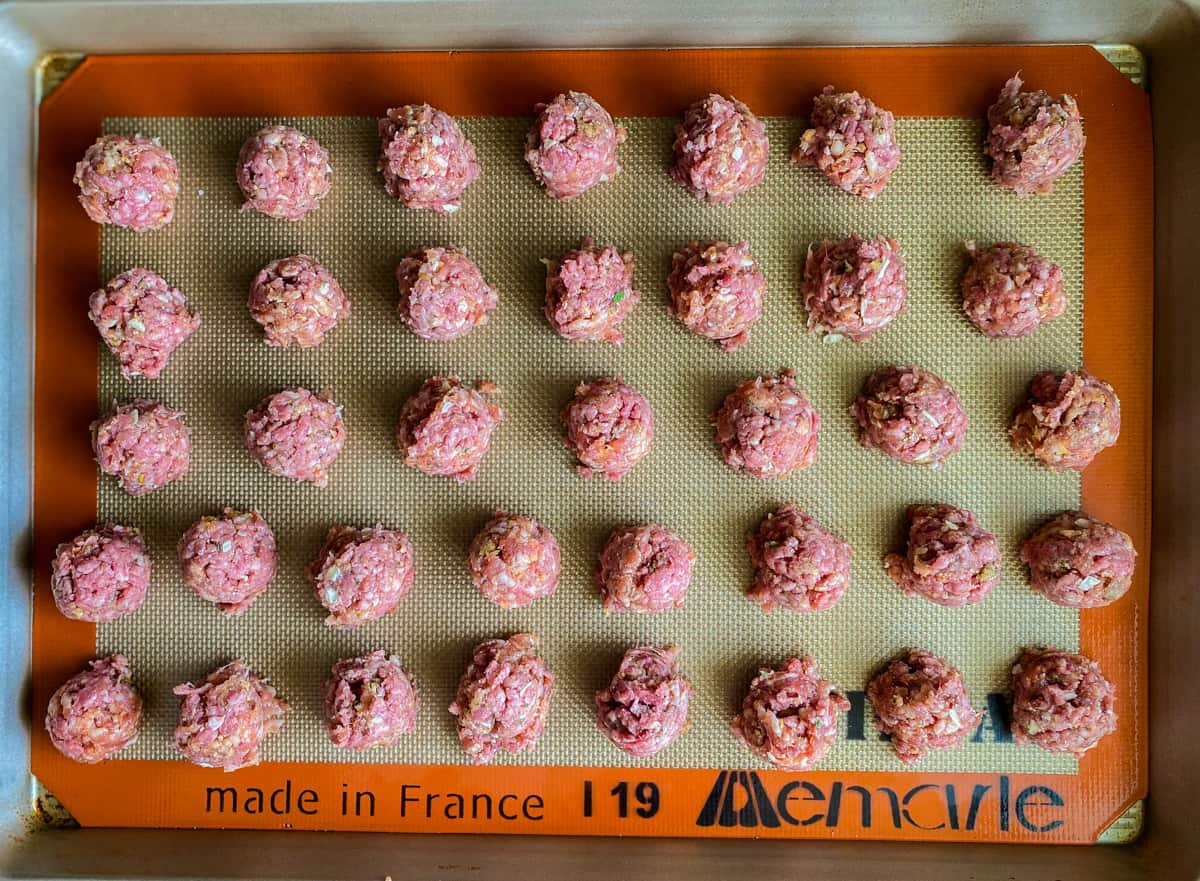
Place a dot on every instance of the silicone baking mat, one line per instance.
(940, 196)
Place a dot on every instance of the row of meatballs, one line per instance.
(852, 288)
(361, 575)
(765, 428)
(789, 717)
(721, 150)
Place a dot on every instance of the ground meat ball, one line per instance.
(296, 434)
(228, 560)
(296, 300)
(142, 319)
(1061, 701)
(426, 160)
(572, 145)
(589, 292)
(360, 575)
(645, 707)
(717, 291)
(853, 287)
(283, 172)
(1033, 139)
(644, 569)
(503, 698)
(445, 428)
(767, 428)
(799, 565)
(1067, 420)
(609, 426)
(128, 181)
(950, 560)
(910, 414)
(101, 575)
(721, 149)
(369, 702)
(224, 720)
(143, 444)
(96, 713)
(1077, 561)
(442, 294)
(790, 717)
(852, 142)
(514, 560)
(1010, 290)
(921, 703)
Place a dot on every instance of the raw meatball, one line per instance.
(1067, 420)
(296, 300)
(514, 560)
(369, 702)
(224, 720)
(503, 698)
(799, 565)
(142, 319)
(717, 291)
(721, 149)
(853, 287)
(1033, 139)
(589, 292)
(446, 427)
(645, 707)
(228, 560)
(296, 434)
(101, 575)
(1061, 701)
(1077, 561)
(442, 294)
(426, 160)
(644, 569)
(921, 703)
(143, 444)
(573, 145)
(910, 414)
(767, 428)
(789, 717)
(96, 713)
(128, 181)
(283, 172)
(1010, 290)
(360, 575)
(852, 142)
(950, 560)
(609, 426)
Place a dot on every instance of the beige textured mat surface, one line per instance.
(371, 363)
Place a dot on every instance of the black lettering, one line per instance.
(456, 806)
(766, 813)
(359, 797)
(487, 803)
(893, 804)
(1026, 799)
(254, 803)
(308, 796)
(952, 804)
(735, 816)
(996, 726)
(785, 797)
(532, 803)
(406, 799)
(1003, 802)
(221, 793)
(286, 792)
(908, 798)
(835, 804)
(587, 798)
(345, 800)
(977, 794)
(430, 798)
(500, 806)
(712, 804)
(856, 718)
(646, 794)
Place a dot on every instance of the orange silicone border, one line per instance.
(932, 81)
